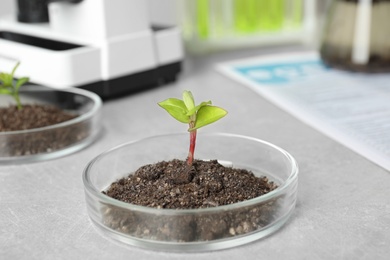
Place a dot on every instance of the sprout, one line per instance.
(196, 117)
(10, 87)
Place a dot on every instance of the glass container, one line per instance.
(55, 140)
(213, 25)
(356, 36)
(182, 229)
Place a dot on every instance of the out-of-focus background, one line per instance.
(270, 63)
(143, 42)
(208, 24)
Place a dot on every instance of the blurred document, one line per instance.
(352, 108)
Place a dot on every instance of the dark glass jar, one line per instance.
(33, 11)
(37, 11)
(356, 35)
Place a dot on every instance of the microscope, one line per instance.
(106, 46)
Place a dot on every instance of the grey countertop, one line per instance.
(343, 208)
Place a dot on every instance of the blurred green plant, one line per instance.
(11, 86)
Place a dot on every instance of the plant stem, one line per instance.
(18, 103)
(191, 151)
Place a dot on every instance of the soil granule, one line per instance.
(174, 185)
(30, 117)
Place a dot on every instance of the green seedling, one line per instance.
(196, 117)
(9, 86)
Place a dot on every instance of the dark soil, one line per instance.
(31, 116)
(173, 185)
(37, 116)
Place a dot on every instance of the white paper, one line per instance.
(352, 108)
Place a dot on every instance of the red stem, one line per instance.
(191, 152)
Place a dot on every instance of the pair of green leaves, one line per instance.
(185, 111)
(9, 87)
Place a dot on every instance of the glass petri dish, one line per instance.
(57, 140)
(188, 230)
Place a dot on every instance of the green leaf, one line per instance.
(207, 115)
(2, 77)
(10, 86)
(188, 99)
(21, 82)
(195, 109)
(176, 108)
(14, 69)
(5, 91)
(6, 79)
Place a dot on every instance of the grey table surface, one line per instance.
(343, 208)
